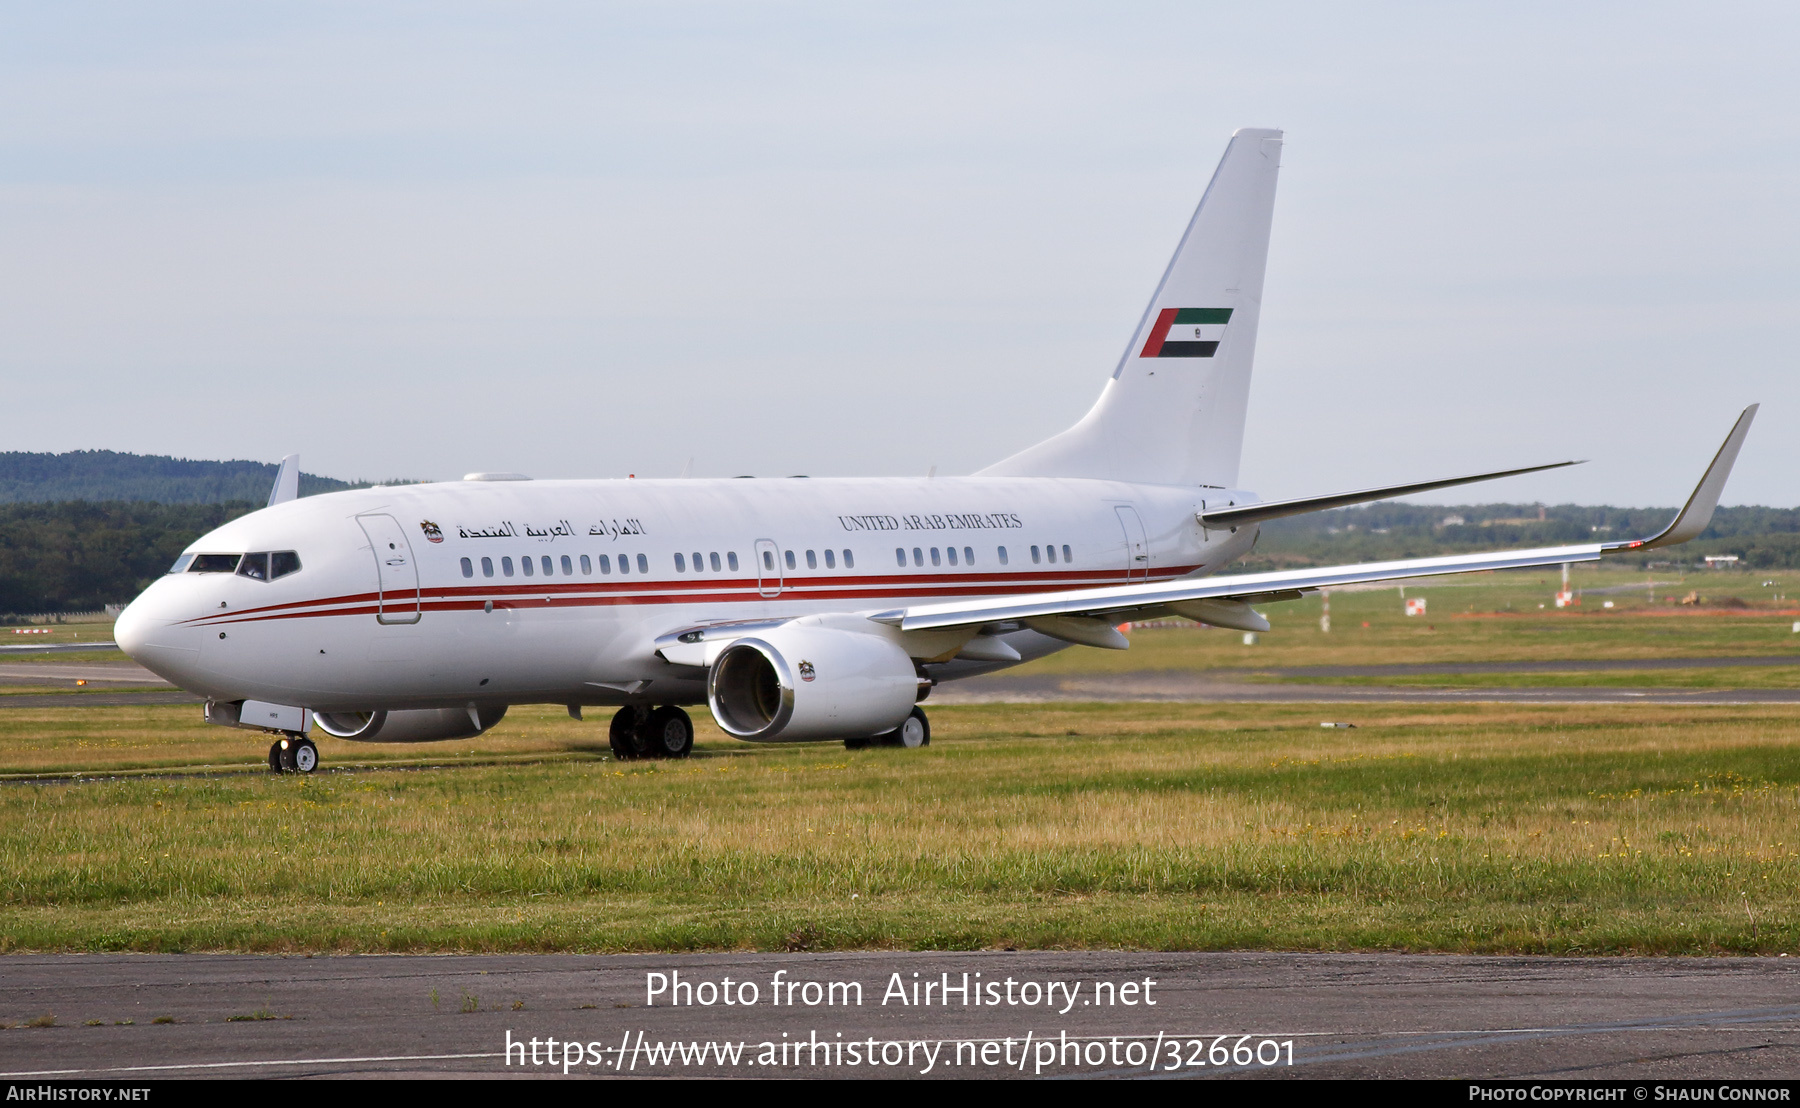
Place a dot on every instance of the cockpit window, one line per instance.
(214, 563)
(258, 566)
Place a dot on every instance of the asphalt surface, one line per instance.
(1345, 1015)
(1148, 685)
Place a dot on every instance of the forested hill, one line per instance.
(108, 475)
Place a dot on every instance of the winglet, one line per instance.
(287, 481)
(1698, 511)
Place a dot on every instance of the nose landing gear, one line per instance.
(289, 754)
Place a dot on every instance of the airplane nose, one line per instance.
(131, 630)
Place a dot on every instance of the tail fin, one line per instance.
(1173, 413)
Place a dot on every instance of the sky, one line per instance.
(588, 239)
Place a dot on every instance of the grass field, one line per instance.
(1477, 828)
(1604, 829)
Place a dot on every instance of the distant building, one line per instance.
(1721, 561)
(1453, 521)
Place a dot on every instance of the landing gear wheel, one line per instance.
(913, 733)
(627, 745)
(275, 753)
(304, 754)
(669, 733)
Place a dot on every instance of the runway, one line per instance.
(1232, 685)
(1345, 1015)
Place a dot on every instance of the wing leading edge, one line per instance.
(1690, 521)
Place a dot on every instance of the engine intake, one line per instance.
(420, 725)
(799, 683)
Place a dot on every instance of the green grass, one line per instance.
(1458, 828)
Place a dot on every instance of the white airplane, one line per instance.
(795, 609)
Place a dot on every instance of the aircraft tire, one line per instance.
(304, 755)
(669, 733)
(275, 758)
(623, 736)
(913, 733)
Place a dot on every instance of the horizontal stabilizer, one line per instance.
(1220, 518)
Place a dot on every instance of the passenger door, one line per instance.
(768, 567)
(1137, 547)
(397, 578)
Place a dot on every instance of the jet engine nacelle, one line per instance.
(796, 683)
(424, 725)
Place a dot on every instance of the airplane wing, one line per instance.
(1239, 514)
(1078, 614)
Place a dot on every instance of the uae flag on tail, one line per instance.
(1186, 333)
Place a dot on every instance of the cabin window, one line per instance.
(181, 564)
(968, 555)
(1066, 556)
(506, 567)
(700, 565)
(214, 563)
(681, 563)
(951, 554)
(605, 565)
(487, 567)
(918, 557)
(549, 569)
(713, 560)
(528, 565)
(935, 560)
(624, 563)
(768, 559)
(731, 560)
(830, 560)
(849, 560)
(643, 564)
(568, 566)
(1051, 552)
(812, 560)
(587, 567)
(254, 566)
(1002, 551)
(1035, 556)
(468, 568)
(900, 555)
(790, 560)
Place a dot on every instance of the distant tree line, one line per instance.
(105, 475)
(81, 556)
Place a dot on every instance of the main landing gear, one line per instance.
(913, 733)
(291, 754)
(639, 732)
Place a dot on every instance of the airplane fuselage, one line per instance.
(508, 592)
